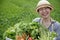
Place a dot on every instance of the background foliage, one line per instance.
(14, 11)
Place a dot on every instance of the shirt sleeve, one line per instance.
(36, 20)
(57, 30)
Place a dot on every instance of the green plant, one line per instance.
(33, 29)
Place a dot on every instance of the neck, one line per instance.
(46, 22)
(47, 19)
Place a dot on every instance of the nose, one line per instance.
(44, 10)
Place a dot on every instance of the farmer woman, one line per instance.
(44, 9)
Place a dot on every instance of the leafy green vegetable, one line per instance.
(33, 29)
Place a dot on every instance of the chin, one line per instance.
(45, 17)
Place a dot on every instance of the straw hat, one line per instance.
(43, 3)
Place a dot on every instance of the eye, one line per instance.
(48, 8)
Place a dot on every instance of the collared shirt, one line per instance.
(55, 26)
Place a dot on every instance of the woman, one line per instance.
(44, 9)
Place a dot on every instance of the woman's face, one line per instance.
(44, 12)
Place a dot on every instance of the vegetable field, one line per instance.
(15, 11)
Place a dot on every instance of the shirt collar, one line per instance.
(52, 21)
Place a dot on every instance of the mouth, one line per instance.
(45, 14)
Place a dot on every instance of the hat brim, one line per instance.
(42, 6)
